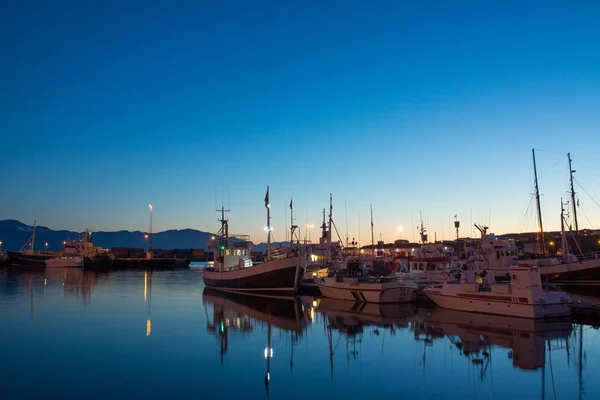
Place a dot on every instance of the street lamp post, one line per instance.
(150, 207)
(146, 239)
(0, 245)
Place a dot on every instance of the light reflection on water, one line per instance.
(71, 333)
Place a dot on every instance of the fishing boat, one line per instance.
(27, 256)
(352, 283)
(356, 278)
(64, 262)
(323, 255)
(233, 269)
(93, 256)
(522, 296)
(430, 264)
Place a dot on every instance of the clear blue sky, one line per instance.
(426, 106)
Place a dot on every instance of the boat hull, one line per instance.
(273, 278)
(68, 262)
(486, 304)
(386, 292)
(19, 258)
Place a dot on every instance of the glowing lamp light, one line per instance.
(314, 303)
(268, 352)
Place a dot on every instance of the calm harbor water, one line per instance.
(74, 334)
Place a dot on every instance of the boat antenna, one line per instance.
(346, 211)
(359, 230)
(268, 207)
(456, 225)
(574, 205)
(539, 208)
(422, 230)
(372, 237)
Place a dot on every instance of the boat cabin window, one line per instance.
(430, 266)
(441, 266)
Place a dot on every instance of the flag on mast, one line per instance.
(291, 203)
(267, 198)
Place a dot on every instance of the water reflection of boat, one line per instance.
(241, 313)
(351, 319)
(474, 334)
(367, 313)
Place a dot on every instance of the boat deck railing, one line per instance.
(240, 237)
(589, 256)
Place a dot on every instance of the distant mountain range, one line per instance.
(14, 234)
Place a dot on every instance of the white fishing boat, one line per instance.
(65, 262)
(522, 296)
(351, 283)
(233, 269)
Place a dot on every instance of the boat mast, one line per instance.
(329, 228)
(539, 208)
(422, 231)
(223, 240)
(268, 207)
(293, 227)
(563, 236)
(571, 171)
(372, 237)
(33, 237)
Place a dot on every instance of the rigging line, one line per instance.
(586, 192)
(551, 151)
(587, 217)
(548, 171)
(524, 214)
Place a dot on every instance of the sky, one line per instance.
(425, 110)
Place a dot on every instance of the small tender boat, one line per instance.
(522, 296)
(65, 261)
(351, 283)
